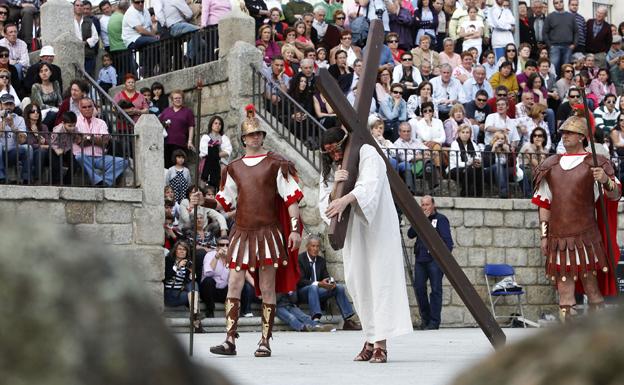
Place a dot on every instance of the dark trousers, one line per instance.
(209, 294)
(430, 307)
(57, 162)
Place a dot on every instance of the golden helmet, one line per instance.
(251, 123)
(575, 124)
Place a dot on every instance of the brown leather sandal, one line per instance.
(264, 350)
(380, 356)
(225, 349)
(366, 353)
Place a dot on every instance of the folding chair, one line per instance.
(497, 272)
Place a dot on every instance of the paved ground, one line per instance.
(423, 357)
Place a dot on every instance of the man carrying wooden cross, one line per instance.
(372, 252)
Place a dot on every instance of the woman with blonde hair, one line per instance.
(535, 119)
(291, 65)
(465, 163)
(565, 82)
(457, 117)
(266, 39)
(499, 162)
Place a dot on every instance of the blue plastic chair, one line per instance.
(497, 272)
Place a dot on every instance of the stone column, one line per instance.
(57, 17)
(69, 51)
(235, 26)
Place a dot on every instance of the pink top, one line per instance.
(600, 90)
(455, 61)
(95, 127)
(213, 10)
(137, 100)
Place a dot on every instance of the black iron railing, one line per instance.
(108, 110)
(170, 54)
(287, 117)
(66, 158)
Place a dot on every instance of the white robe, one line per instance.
(372, 255)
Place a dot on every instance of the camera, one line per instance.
(3, 113)
(332, 280)
(379, 13)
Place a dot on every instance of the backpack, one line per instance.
(359, 29)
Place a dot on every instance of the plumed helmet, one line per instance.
(575, 124)
(251, 123)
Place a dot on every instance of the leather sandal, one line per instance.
(380, 356)
(225, 349)
(365, 354)
(264, 350)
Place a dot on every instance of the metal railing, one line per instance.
(287, 117)
(170, 54)
(108, 110)
(66, 159)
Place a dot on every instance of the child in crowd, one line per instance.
(147, 94)
(178, 176)
(107, 77)
(61, 156)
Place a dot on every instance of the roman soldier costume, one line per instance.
(564, 184)
(260, 188)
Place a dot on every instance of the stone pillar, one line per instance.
(57, 17)
(235, 26)
(69, 51)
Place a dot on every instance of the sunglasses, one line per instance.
(4, 76)
(427, 110)
(511, 50)
(406, 59)
(223, 244)
(139, 2)
(501, 95)
(568, 71)
(4, 55)
(392, 41)
(538, 136)
(4, 13)
(346, 38)
(609, 101)
(397, 92)
(574, 96)
(340, 18)
(482, 100)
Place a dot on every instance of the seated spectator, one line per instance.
(38, 140)
(276, 25)
(499, 121)
(524, 55)
(46, 94)
(392, 42)
(18, 52)
(602, 85)
(457, 117)
(535, 85)
(330, 8)
(615, 51)
(130, 93)
(510, 55)
(351, 99)
(288, 311)
(617, 137)
(195, 197)
(590, 66)
(446, 91)
(178, 284)
(5, 85)
(532, 153)
(214, 150)
(348, 82)
(46, 55)
(352, 51)
(465, 163)
(376, 127)
(63, 137)
(24, 13)
(549, 78)
(424, 93)
(159, 98)
(448, 56)
(489, 64)
(506, 77)
(522, 78)
(178, 18)
(179, 121)
(606, 115)
(294, 10)
(463, 72)
(14, 148)
(581, 80)
(4, 16)
(213, 286)
(339, 67)
(175, 206)
(291, 62)
(477, 111)
(301, 92)
(302, 42)
(407, 75)
(430, 131)
(565, 109)
(565, 82)
(102, 169)
(499, 162)
(617, 75)
(321, 58)
(335, 29)
(271, 48)
(383, 86)
(323, 111)
(410, 157)
(534, 119)
(178, 176)
(477, 82)
(424, 54)
(393, 111)
(277, 84)
(524, 107)
(316, 286)
(136, 28)
(502, 93)
(78, 89)
(107, 77)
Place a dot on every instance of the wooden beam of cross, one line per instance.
(355, 121)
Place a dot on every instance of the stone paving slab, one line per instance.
(421, 358)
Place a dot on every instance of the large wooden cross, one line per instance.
(355, 121)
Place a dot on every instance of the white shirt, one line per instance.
(451, 90)
(93, 40)
(428, 133)
(133, 18)
(403, 145)
(505, 124)
(104, 29)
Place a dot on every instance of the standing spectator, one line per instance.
(130, 93)
(4, 16)
(330, 7)
(23, 12)
(510, 55)
(315, 285)
(159, 98)
(401, 24)
(259, 11)
(178, 176)
(107, 78)
(606, 115)
(115, 27)
(179, 121)
(136, 28)
(87, 11)
(503, 23)
(13, 146)
(427, 269)
(536, 22)
(472, 30)
(18, 51)
(426, 20)
(46, 55)
(46, 94)
(214, 150)
(106, 10)
(407, 75)
(78, 89)
(527, 33)
(213, 10)
(560, 34)
(393, 111)
(446, 91)
(85, 31)
(102, 169)
(583, 35)
(319, 23)
(602, 85)
(599, 37)
(465, 163)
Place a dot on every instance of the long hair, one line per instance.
(212, 120)
(29, 108)
(332, 135)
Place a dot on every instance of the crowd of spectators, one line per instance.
(449, 67)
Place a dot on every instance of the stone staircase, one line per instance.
(177, 319)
